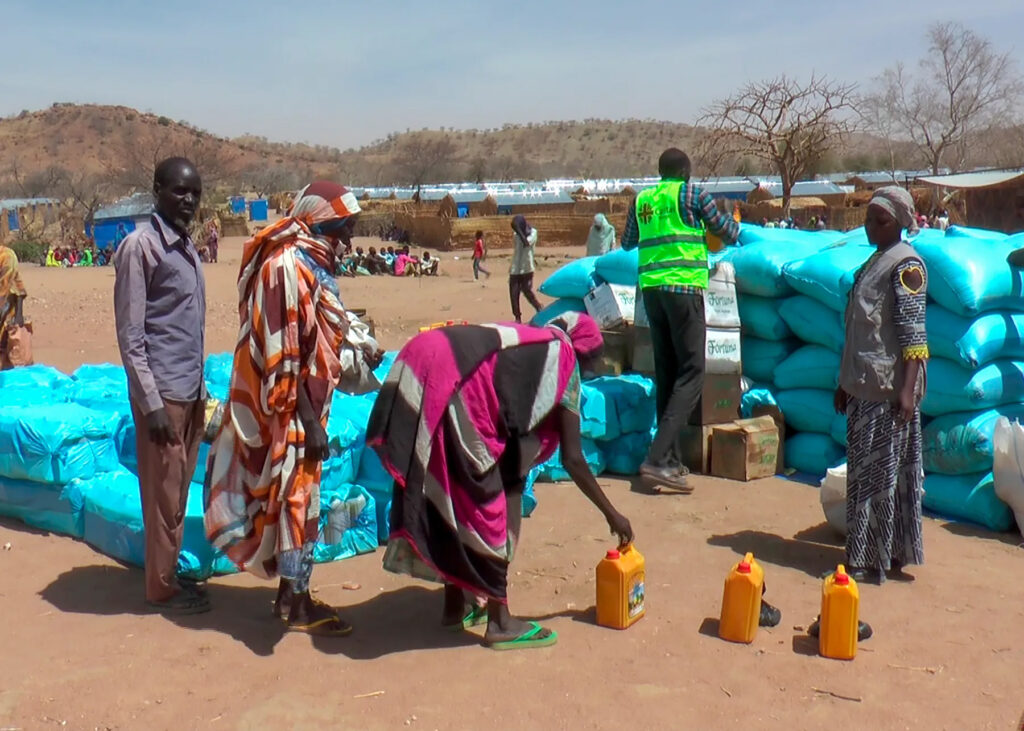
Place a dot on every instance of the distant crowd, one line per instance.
(73, 256)
(400, 263)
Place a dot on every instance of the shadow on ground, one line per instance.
(813, 551)
(1011, 538)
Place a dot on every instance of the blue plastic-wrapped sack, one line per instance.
(813, 322)
(553, 471)
(967, 497)
(974, 342)
(217, 368)
(112, 523)
(813, 366)
(961, 443)
(629, 403)
(838, 429)
(30, 395)
(557, 308)
(55, 443)
(574, 279)
(623, 456)
(759, 316)
(598, 417)
(954, 388)
(348, 524)
(34, 376)
(761, 357)
(808, 409)
(619, 267)
(759, 261)
(757, 396)
(343, 468)
(813, 454)
(381, 371)
(968, 274)
(529, 494)
(827, 275)
(101, 372)
(55, 508)
(380, 485)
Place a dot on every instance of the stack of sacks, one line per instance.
(48, 447)
(572, 282)
(68, 458)
(976, 336)
(782, 371)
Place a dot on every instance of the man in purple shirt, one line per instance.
(160, 311)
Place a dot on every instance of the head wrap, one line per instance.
(318, 202)
(583, 332)
(899, 204)
(521, 227)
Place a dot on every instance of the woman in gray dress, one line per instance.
(881, 384)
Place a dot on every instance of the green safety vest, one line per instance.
(672, 254)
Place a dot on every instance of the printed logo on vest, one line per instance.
(646, 213)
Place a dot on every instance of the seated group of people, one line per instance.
(75, 257)
(400, 263)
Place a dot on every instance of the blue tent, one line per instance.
(258, 210)
(126, 212)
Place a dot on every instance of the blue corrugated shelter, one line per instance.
(258, 210)
(237, 203)
(126, 212)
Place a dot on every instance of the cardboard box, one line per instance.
(719, 400)
(780, 422)
(611, 305)
(615, 357)
(721, 306)
(695, 448)
(639, 311)
(641, 359)
(747, 449)
(722, 351)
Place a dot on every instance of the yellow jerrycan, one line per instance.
(620, 588)
(741, 601)
(840, 604)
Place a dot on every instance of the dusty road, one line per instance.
(79, 651)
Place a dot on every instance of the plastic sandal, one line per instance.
(326, 627)
(184, 602)
(526, 640)
(475, 616)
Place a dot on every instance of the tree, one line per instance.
(783, 122)
(962, 89)
(424, 158)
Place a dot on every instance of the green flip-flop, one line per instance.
(527, 640)
(475, 616)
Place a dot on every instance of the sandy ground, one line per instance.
(80, 651)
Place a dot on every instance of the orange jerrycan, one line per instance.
(715, 243)
(840, 602)
(620, 588)
(741, 601)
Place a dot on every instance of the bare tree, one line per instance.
(962, 89)
(783, 122)
(425, 158)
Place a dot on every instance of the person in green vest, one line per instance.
(668, 223)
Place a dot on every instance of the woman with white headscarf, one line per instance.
(881, 383)
(601, 238)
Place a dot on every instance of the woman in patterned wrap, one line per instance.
(882, 381)
(463, 416)
(263, 501)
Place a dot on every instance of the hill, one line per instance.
(71, 147)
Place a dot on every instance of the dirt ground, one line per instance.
(80, 651)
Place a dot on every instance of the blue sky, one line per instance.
(346, 73)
